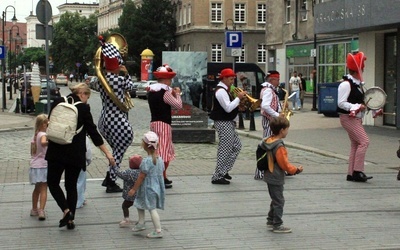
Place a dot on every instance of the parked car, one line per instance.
(61, 80)
(132, 93)
(141, 91)
(27, 105)
(94, 83)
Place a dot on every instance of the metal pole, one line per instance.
(46, 27)
(9, 64)
(3, 63)
(314, 103)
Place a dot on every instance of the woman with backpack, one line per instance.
(71, 158)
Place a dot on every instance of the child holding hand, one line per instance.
(38, 167)
(149, 187)
(275, 175)
(129, 176)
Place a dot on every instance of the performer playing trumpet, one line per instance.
(224, 111)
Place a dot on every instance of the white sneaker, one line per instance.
(155, 234)
(125, 223)
(139, 227)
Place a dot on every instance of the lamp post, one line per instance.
(10, 57)
(14, 20)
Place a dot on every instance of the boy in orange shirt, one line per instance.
(275, 175)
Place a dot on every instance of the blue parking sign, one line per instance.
(2, 52)
(234, 39)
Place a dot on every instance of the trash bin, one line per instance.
(327, 98)
(39, 108)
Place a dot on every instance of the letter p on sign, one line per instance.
(234, 39)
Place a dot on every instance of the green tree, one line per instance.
(147, 26)
(74, 41)
(30, 55)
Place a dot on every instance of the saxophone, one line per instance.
(287, 113)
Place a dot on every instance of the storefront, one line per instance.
(375, 24)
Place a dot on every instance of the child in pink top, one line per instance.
(38, 167)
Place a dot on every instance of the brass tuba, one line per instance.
(247, 102)
(287, 113)
(120, 43)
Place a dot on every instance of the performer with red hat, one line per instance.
(162, 98)
(270, 107)
(224, 111)
(351, 109)
(113, 123)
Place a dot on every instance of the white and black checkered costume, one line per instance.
(113, 124)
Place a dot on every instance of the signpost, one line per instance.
(2, 52)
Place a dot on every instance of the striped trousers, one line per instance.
(229, 147)
(259, 175)
(359, 142)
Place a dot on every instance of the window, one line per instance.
(242, 57)
(216, 12)
(287, 2)
(184, 15)
(303, 10)
(332, 63)
(216, 52)
(189, 14)
(261, 13)
(240, 13)
(261, 53)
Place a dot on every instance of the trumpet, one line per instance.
(248, 102)
(287, 113)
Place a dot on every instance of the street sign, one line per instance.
(236, 52)
(313, 53)
(43, 11)
(234, 39)
(2, 52)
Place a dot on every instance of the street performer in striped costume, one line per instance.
(270, 107)
(162, 98)
(351, 109)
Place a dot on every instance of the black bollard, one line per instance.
(17, 106)
(241, 123)
(252, 122)
(247, 117)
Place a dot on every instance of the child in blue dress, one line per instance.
(149, 187)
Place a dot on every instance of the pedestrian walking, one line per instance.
(351, 109)
(162, 99)
(295, 88)
(81, 183)
(270, 107)
(38, 167)
(129, 176)
(224, 112)
(71, 158)
(274, 176)
(303, 88)
(149, 187)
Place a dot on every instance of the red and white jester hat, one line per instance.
(355, 62)
(112, 57)
(164, 72)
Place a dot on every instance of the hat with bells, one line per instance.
(355, 62)
(112, 57)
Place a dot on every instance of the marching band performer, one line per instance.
(113, 124)
(161, 99)
(224, 111)
(270, 107)
(351, 109)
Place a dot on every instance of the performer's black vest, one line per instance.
(160, 111)
(218, 113)
(356, 95)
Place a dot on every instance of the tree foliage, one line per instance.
(74, 41)
(147, 26)
(31, 55)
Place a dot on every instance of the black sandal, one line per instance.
(67, 217)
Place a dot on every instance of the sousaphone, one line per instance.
(122, 46)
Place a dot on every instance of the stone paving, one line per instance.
(324, 210)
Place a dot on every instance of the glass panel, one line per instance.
(390, 80)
